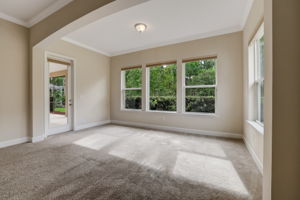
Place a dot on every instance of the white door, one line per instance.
(60, 97)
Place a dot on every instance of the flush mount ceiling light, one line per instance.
(140, 27)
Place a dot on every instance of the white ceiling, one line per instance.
(29, 12)
(169, 21)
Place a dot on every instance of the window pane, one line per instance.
(133, 78)
(261, 66)
(200, 100)
(261, 103)
(163, 88)
(202, 72)
(133, 99)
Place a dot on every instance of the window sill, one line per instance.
(174, 112)
(258, 127)
(200, 114)
(161, 111)
(131, 110)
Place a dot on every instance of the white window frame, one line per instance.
(258, 82)
(124, 89)
(148, 74)
(184, 86)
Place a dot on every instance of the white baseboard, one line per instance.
(180, 130)
(37, 139)
(80, 127)
(90, 125)
(254, 156)
(14, 142)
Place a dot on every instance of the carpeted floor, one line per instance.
(117, 162)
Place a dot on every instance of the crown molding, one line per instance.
(13, 19)
(48, 11)
(39, 17)
(66, 39)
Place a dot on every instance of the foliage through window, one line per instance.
(57, 94)
(162, 87)
(200, 85)
(132, 88)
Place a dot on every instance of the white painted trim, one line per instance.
(48, 11)
(90, 125)
(184, 87)
(36, 19)
(8, 143)
(180, 130)
(131, 110)
(254, 156)
(37, 139)
(58, 130)
(13, 19)
(259, 128)
(66, 39)
(48, 131)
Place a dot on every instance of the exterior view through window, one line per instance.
(256, 75)
(259, 78)
(59, 94)
(200, 85)
(162, 87)
(132, 88)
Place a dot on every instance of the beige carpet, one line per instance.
(116, 162)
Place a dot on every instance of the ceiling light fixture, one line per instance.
(140, 27)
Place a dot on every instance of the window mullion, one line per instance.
(179, 89)
(132, 96)
(145, 88)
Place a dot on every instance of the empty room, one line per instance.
(149, 99)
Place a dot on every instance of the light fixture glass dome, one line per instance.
(140, 27)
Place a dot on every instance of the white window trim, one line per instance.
(198, 86)
(257, 126)
(180, 92)
(123, 92)
(148, 93)
(257, 81)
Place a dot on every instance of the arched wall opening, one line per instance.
(40, 42)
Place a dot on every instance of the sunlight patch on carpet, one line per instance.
(213, 171)
(140, 149)
(96, 141)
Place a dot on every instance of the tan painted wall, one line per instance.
(92, 82)
(71, 17)
(251, 135)
(92, 85)
(267, 173)
(14, 82)
(229, 96)
(63, 17)
(286, 100)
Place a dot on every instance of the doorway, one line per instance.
(59, 95)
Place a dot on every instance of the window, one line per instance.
(162, 87)
(132, 88)
(256, 63)
(200, 85)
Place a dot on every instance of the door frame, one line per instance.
(59, 57)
